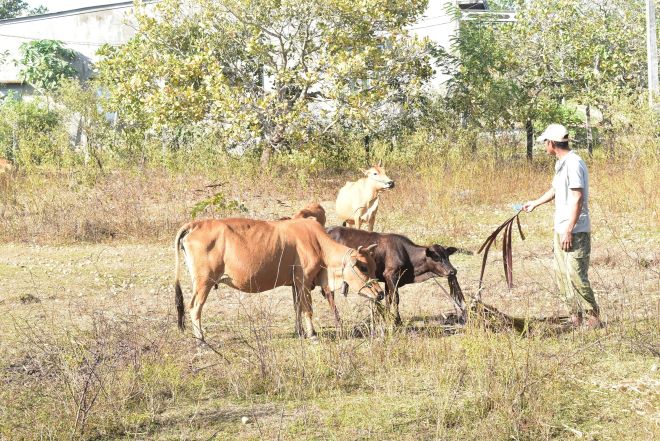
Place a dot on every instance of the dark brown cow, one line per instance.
(255, 256)
(399, 262)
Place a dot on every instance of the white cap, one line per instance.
(554, 132)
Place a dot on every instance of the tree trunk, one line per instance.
(529, 129)
(274, 141)
(588, 127)
(367, 150)
(266, 153)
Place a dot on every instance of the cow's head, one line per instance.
(377, 178)
(437, 260)
(356, 272)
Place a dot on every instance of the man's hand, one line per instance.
(567, 241)
(529, 206)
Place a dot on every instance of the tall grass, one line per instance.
(81, 370)
(121, 379)
(437, 198)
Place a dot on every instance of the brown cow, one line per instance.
(311, 211)
(314, 211)
(255, 256)
(357, 201)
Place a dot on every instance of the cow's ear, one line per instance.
(430, 253)
(451, 250)
(364, 171)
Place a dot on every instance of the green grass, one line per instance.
(149, 381)
(99, 356)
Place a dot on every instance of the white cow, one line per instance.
(357, 202)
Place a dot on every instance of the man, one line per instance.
(572, 231)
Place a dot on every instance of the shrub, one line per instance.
(31, 133)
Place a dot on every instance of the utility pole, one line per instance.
(651, 50)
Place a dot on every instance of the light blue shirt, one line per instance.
(571, 173)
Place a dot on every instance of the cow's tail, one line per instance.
(178, 294)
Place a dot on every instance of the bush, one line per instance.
(31, 133)
(633, 130)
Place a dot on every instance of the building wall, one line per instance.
(440, 27)
(84, 32)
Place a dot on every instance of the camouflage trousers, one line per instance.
(571, 273)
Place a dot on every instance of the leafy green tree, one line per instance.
(269, 73)
(17, 8)
(479, 90)
(556, 52)
(581, 51)
(44, 63)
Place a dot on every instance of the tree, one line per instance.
(589, 52)
(556, 52)
(44, 63)
(479, 90)
(268, 73)
(17, 8)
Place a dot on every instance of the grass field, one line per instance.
(89, 347)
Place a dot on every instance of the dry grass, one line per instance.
(89, 350)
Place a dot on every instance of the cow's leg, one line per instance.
(296, 308)
(305, 308)
(201, 289)
(388, 295)
(357, 219)
(397, 315)
(392, 295)
(372, 220)
(390, 286)
(330, 297)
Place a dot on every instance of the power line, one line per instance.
(432, 18)
(432, 26)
